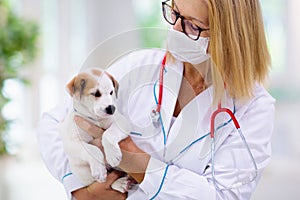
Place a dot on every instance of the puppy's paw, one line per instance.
(99, 175)
(113, 156)
(122, 184)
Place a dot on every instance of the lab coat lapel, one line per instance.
(172, 81)
(190, 125)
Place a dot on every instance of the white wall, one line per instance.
(293, 43)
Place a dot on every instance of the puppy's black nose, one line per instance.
(110, 109)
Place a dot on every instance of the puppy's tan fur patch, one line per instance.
(81, 84)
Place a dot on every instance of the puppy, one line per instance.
(94, 95)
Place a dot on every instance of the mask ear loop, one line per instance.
(212, 135)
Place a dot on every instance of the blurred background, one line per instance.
(53, 39)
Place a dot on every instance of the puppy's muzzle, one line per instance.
(110, 109)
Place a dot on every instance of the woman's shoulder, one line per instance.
(136, 59)
(261, 101)
(261, 95)
(147, 55)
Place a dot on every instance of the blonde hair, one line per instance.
(238, 47)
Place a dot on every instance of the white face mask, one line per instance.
(185, 49)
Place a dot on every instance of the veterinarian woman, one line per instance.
(201, 119)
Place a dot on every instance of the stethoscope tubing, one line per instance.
(219, 110)
(240, 183)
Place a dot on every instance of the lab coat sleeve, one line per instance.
(230, 157)
(51, 148)
(164, 181)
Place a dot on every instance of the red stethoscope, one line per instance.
(156, 117)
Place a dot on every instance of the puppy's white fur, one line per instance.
(94, 98)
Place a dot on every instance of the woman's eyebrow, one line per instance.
(188, 17)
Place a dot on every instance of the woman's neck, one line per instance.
(195, 75)
(192, 84)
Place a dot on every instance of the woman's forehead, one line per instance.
(193, 9)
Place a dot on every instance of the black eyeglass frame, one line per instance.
(178, 15)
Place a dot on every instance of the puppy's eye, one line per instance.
(96, 94)
(111, 92)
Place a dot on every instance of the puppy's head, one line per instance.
(94, 93)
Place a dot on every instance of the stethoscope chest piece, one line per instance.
(155, 115)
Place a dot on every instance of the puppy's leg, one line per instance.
(83, 172)
(82, 158)
(95, 159)
(110, 141)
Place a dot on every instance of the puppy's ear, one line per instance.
(76, 85)
(115, 83)
(71, 86)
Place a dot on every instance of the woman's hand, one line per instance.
(134, 161)
(101, 191)
(92, 129)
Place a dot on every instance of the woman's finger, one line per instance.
(92, 129)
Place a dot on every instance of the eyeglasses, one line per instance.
(189, 28)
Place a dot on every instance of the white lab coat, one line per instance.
(189, 173)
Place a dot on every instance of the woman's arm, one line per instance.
(51, 147)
